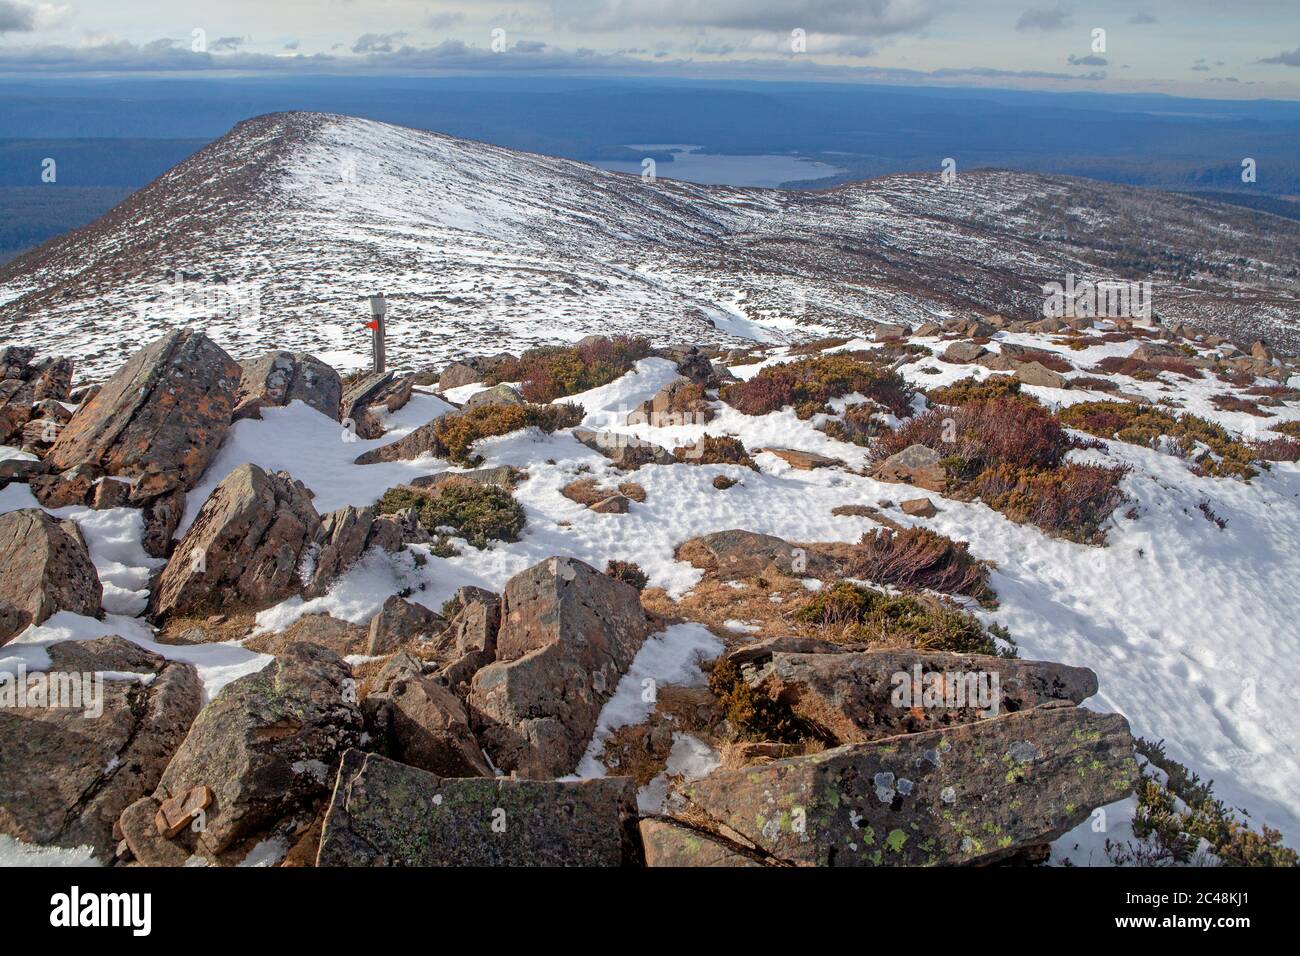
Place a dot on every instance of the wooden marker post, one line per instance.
(378, 308)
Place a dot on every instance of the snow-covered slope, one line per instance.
(275, 234)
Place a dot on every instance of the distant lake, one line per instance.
(711, 169)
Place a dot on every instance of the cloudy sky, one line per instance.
(1216, 48)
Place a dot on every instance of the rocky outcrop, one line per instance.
(972, 793)
(501, 476)
(415, 718)
(423, 441)
(159, 420)
(568, 633)
(30, 391)
(278, 378)
(44, 568)
(66, 774)
(386, 814)
(267, 746)
(340, 637)
(680, 402)
(399, 622)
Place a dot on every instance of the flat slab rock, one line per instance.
(881, 693)
(388, 814)
(802, 460)
(667, 843)
(967, 794)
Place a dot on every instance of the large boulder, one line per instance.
(416, 719)
(1035, 373)
(917, 465)
(267, 746)
(278, 378)
(458, 374)
(496, 395)
(159, 420)
(67, 773)
(962, 352)
(971, 793)
(387, 814)
(244, 547)
(258, 540)
(864, 696)
(44, 567)
(568, 633)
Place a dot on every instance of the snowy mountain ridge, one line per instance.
(276, 233)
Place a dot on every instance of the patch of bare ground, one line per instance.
(641, 750)
(233, 625)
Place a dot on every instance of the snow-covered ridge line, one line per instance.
(280, 229)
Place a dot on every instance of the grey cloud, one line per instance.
(1286, 59)
(16, 17)
(377, 42)
(1142, 19)
(1043, 18)
(850, 17)
(226, 43)
(169, 55)
(441, 21)
(1091, 60)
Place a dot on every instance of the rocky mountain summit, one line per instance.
(254, 586)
